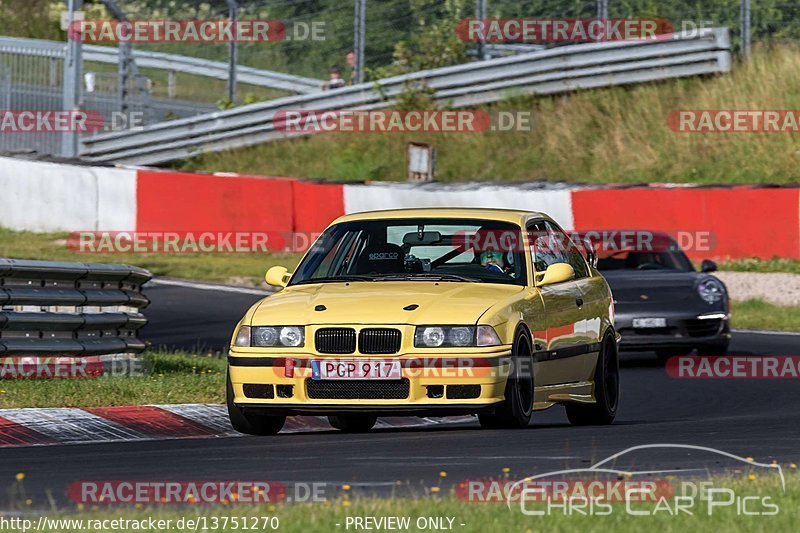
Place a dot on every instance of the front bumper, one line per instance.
(440, 384)
(685, 329)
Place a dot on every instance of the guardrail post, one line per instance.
(72, 83)
(744, 25)
(233, 14)
(359, 36)
(480, 14)
(172, 83)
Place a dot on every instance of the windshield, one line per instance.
(480, 251)
(669, 259)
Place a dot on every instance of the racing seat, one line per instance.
(381, 258)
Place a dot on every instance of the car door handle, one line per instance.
(579, 301)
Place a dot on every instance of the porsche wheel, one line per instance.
(516, 410)
(606, 386)
(250, 423)
(353, 423)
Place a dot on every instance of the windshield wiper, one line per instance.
(333, 279)
(427, 277)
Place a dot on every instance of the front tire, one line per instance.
(250, 423)
(516, 411)
(353, 423)
(606, 387)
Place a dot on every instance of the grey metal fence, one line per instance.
(70, 309)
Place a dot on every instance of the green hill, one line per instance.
(607, 135)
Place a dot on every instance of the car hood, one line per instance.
(381, 303)
(652, 286)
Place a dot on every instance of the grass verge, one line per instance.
(338, 513)
(759, 265)
(612, 135)
(209, 267)
(758, 314)
(162, 379)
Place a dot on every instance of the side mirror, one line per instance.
(708, 266)
(277, 276)
(556, 273)
(591, 253)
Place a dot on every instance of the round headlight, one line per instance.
(461, 336)
(711, 290)
(265, 336)
(291, 336)
(433, 337)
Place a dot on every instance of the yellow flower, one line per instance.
(435, 489)
(792, 465)
(28, 501)
(751, 477)
(20, 476)
(442, 474)
(271, 508)
(80, 507)
(749, 459)
(506, 470)
(345, 487)
(345, 503)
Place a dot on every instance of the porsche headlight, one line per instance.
(454, 336)
(711, 290)
(268, 336)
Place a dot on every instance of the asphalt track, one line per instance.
(748, 418)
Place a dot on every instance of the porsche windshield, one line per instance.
(447, 250)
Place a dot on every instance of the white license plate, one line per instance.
(649, 322)
(355, 369)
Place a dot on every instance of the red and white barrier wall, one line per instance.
(761, 222)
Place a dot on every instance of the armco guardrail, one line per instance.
(169, 62)
(550, 71)
(70, 309)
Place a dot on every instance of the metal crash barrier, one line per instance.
(70, 309)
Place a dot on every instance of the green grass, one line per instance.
(614, 135)
(758, 314)
(760, 265)
(163, 378)
(209, 267)
(482, 517)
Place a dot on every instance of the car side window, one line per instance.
(570, 252)
(545, 251)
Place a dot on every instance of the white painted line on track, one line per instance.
(207, 286)
(767, 332)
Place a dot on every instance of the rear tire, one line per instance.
(250, 423)
(353, 423)
(606, 386)
(516, 411)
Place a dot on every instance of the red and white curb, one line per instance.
(67, 425)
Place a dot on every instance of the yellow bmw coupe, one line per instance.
(429, 312)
